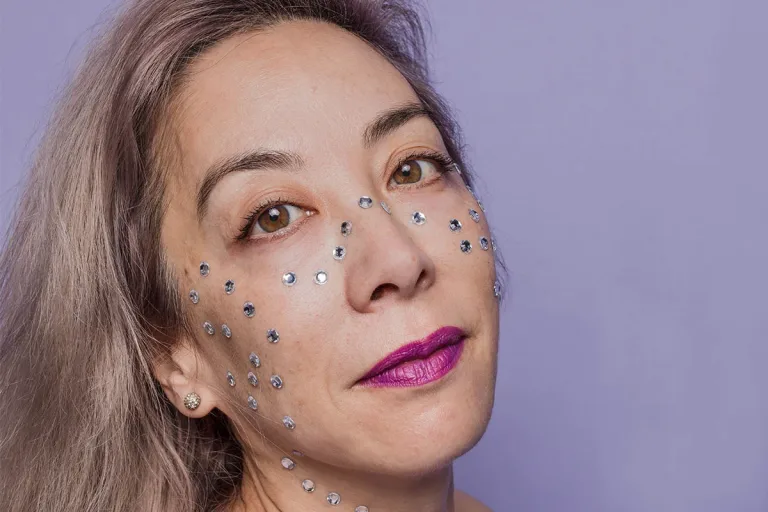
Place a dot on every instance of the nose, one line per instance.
(388, 263)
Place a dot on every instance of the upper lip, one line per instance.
(419, 349)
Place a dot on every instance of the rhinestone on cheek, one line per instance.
(252, 379)
(289, 279)
(493, 244)
(339, 252)
(194, 296)
(333, 498)
(297, 453)
(483, 243)
(249, 309)
(254, 359)
(226, 331)
(497, 289)
(205, 269)
(289, 423)
(308, 485)
(231, 379)
(252, 403)
(287, 463)
(418, 218)
(276, 381)
(480, 205)
(385, 207)
(474, 215)
(455, 225)
(229, 287)
(208, 328)
(321, 277)
(346, 228)
(365, 202)
(361, 508)
(273, 336)
(466, 247)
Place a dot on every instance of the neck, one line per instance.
(268, 489)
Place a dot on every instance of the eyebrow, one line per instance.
(382, 125)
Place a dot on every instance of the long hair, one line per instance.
(87, 297)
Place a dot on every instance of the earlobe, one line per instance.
(182, 382)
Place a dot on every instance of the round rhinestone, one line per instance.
(333, 498)
(466, 247)
(273, 336)
(276, 381)
(231, 379)
(194, 296)
(346, 228)
(208, 328)
(249, 309)
(254, 359)
(252, 379)
(252, 403)
(455, 225)
(308, 485)
(339, 252)
(289, 279)
(497, 289)
(226, 331)
(321, 277)
(229, 287)
(418, 218)
(365, 202)
(297, 453)
(361, 508)
(475, 216)
(289, 423)
(483, 243)
(385, 206)
(205, 269)
(287, 463)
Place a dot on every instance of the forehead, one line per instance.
(299, 85)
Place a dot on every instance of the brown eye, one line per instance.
(409, 172)
(275, 218)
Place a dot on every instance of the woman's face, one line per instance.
(308, 93)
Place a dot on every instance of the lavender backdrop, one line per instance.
(622, 147)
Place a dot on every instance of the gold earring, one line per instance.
(192, 401)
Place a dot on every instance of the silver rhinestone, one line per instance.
(339, 252)
(289, 423)
(208, 328)
(308, 485)
(229, 287)
(418, 218)
(455, 225)
(321, 277)
(289, 279)
(205, 269)
(273, 336)
(475, 216)
(483, 243)
(497, 289)
(365, 202)
(249, 309)
(231, 379)
(480, 205)
(287, 463)
(333, 498)
(194, 296)
(361, 508)
(276, 381)
(493, 244)
(252, 379)
(385, 206)
(252, 403)
(346, 228)
(297, 453)
(254, 359)
(466, 247)
(226, 331)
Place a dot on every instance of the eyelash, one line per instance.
(443, 161)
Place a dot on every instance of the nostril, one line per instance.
(379, 291)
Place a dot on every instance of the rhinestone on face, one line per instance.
(273, 336)
(289, 279)
(229, 287)
(385, 206)
(231, 379)
(483, 243)
(194, 296)
(455, 225)
(297, 453)
(418, 218)
(497, 289)
(208, 328)
(365, 202)
(249, 309)
(339, 252)
(276, 381)
(205, 269)
(466, 247)
(321, 277)
(289, 423)
(254, 359)
(333, 498)
(493, 244)
(252, 403)
(252, 379)
(480, 205)
(308, 485)
(474, 215)
(346, 228)
(226, 331)
(361, 508)
(287, 463)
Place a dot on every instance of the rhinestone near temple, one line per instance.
(339, 252)
(252, 403)
(249, 309)
(254, 359)
(276, 381)
(287, 463)
(418, 218)
(229, 287)
(205, 269)
(484, 243)
(365, 202)
(289, 279)
(308, 485)
(208, 328)
(194, 296)
(333, 498)
(455, 225)
(273, 336)
(466, 246)
(289, 423)
(346, 228)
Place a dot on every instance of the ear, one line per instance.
(183, 372)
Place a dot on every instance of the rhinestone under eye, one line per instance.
(339, 252)
(308, 485)
(361, 508)
(226, 331)
(418, 218)
(483, 243)
(254, 359)
(466, 247)
(289, 279)
(480, 205)
(252, 403)
(194, 296)
(252, 379)
(249, 309)
(276, 381)
(231, 379)
(229, 287)
(289, 423)
(365, 202)
(455, 225)
(208, 328)
(321, 277)
(385, 207)
(273, 336)
(205, 269)
(287, 463)
(493, 244)
(474, 215)
(346, 228)
(497, 289)
(333, 498)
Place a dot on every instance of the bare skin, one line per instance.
(312, 89)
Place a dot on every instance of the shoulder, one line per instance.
(463, 502)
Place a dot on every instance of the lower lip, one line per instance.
(418, 372)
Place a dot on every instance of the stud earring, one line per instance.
(192, 401)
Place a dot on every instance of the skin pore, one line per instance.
(312, 89)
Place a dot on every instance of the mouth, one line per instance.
(418, 362)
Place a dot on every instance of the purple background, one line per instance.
(622, 153)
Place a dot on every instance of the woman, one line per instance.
(248, 272)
